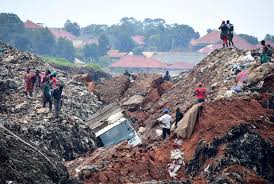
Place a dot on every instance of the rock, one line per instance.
(103, 178)
(136, 99)
(142, 130)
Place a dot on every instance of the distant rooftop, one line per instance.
(31, 25)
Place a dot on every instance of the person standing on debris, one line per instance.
(127, 73)
(230, 33)
(37, 82)
(200, 93)
(47, 75)
(46, 94)
(264, 57)
(224, 33)
(28, 82)
(166, 123)
(57, 95)
(179, 116)
(167, 76)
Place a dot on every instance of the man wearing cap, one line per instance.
(200, 93)
(166, 123)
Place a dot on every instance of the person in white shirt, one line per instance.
(166, 123)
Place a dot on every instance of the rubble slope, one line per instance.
(20, 162)
(67, 136)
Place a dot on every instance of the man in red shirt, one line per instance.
(200, 93)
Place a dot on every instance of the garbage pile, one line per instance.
(136, 96)
(112, 90)
(20, 162)
(244, 147)
(217, 73)
(224, 139)
(66, 136)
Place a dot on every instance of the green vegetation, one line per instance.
(64, 62)
(249, 38)
(269, 37)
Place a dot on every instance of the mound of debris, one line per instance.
(216, 147)
(135, 96)
(20, 162)
(67, 136)
(112, 90)
(232, 129)
(218, 74)
(242, 147)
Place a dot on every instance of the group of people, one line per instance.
(52, 89)
(227, 31)
(166, 120)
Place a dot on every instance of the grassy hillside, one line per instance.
(64, 62)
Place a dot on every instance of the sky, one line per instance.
(254, 17)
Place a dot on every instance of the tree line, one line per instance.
(39, 41)
(156, 33)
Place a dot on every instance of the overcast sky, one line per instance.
(255, 17)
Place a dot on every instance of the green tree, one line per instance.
(91, 52)
(269, 37)
(64, 48)
(10, 25)
(104, 45)
(42, 41)
(249, 38)
(94, 30)
(73, 28)
(124, 42)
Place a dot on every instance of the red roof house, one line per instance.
(31, 25)
(115, 54)
(137, 62)
(145, 64)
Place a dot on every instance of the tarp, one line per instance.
(186, 126)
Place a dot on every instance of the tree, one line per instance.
(209, 30)
(10, 25)
(269, 37)
(73, 28)
(94, 30)
(124, 42)
(104, 45)
(64, 48)
(91, 52)
(42, 41)
(249, 38)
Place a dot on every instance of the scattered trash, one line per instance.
(178, 160)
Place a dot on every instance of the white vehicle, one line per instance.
(112, 126)
(117, 132)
